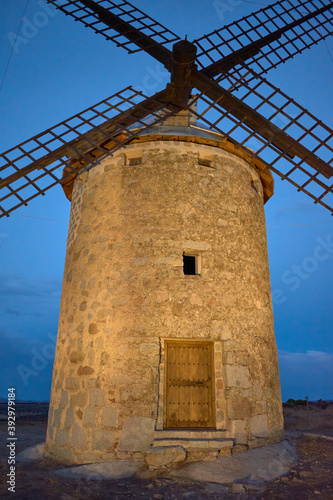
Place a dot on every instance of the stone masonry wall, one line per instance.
(124, 292)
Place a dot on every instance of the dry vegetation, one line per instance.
(316, 417)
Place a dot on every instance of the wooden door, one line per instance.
(189, 389)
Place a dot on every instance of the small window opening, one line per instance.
(205, 162)
(191, 264)
(135, 161)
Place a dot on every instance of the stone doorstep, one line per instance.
(195, 444)
(188, 434)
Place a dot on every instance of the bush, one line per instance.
(322, 404)
(292, 403)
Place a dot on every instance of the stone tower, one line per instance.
(166, 326)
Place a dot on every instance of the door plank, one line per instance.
(189, 389)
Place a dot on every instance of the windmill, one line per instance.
(259, 129)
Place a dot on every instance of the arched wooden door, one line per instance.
(189, 385)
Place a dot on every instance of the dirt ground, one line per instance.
(310, 478)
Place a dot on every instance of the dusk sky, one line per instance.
(59, 68)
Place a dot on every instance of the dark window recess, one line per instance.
(204, 162)
(135, 161)
(189, 264)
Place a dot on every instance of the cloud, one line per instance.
(27, 287)
(26, 364)
(299, 207)
(24, 299)
(22, 344)
(17, 312)
(306, 374)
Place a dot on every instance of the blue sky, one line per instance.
(58, 69)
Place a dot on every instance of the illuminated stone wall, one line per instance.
(124, 293)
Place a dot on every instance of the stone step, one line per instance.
(194, 443)
(190, 434)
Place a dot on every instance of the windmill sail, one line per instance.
(268, 37)
(239, 103)
(36, 165)
(121, 13)
(291, 141)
